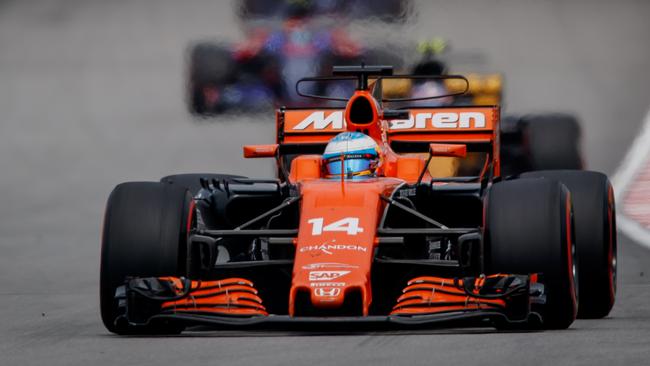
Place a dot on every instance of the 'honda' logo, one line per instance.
(327, 291)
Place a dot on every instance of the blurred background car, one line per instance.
(284, 41)
(538, 141)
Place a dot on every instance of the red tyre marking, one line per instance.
(190, 216)
(569, 234)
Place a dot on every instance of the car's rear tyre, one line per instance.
(192, 181)
(145, 234)
(595, 232)
(528, 229)
(553, 141)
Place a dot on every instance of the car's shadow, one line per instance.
(210, 332)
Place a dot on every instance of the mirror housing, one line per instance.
(454, 150)
(261, 151)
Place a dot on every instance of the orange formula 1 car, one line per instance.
(379, 216)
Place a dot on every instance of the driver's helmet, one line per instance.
(357, 154)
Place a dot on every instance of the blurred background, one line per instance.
(96, 92)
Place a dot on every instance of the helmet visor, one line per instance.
(350, 165)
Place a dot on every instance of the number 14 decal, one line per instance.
(348, 224)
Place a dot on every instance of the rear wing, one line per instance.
(425, 124)
(309, 126)
(307, 131)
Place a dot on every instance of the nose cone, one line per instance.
(330, 284)
(335, 246)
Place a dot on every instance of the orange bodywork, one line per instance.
(306, 167)
(336, 240)
(434, 295)
(339, 218)
(231, 296)
(464, 125)
(450, 150)
(260, 151)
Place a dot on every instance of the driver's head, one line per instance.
(353, 154)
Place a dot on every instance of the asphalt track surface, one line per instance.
(91, 94)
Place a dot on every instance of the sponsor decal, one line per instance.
(328, 265)
(327, 291)
(330, 248)
(326, 275)
(318, 121)
(408, 192)
(349, 225)
(444, 120)
(327, 284)
(334, 121)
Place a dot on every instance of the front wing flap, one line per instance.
(497, 300)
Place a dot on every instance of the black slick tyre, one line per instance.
(528, 229)
(210, 64)
(553, 141)
(145, 234)
(595, 231)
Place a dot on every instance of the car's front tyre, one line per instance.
(145, 234)
(529, 230)
(595, 220)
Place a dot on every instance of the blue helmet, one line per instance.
(356, 153)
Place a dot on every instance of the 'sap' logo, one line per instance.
(326, 275)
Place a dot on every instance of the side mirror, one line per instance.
(261, 151)
(455, 150)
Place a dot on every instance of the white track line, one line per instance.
(629, 169)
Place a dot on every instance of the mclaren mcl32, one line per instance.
(434, 236)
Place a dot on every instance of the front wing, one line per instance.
(502, 301)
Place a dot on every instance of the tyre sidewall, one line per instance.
(528, 230)
(145, 234)
(596, 244)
